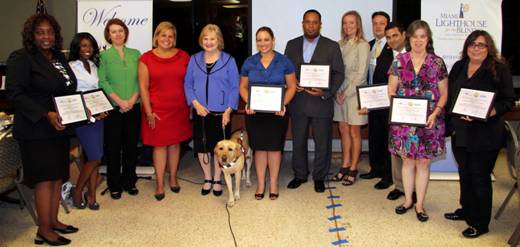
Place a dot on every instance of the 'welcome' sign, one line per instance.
(136, 14)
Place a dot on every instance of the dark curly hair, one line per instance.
(416, 25)
(493, 56)
(29, 28)
(75, 46)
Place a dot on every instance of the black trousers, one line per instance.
(476, 192)
(322, 133)
(121, 138)
(379, 157)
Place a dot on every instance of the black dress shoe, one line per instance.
(259, 196)
(401, 209)
(91, 206)
(159, 197)
(116, 195)
(421, 216)
(394, 194)
(472, 232)
(457, 215)
(273, 196)
(39, 240)
(203, 191)
(369, 175)
(319, 186)
(175, 189)
(67, 230)
(133, 191)
(217, 192)
(295, 183)
(383, 184)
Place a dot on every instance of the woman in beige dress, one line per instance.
(356, 54)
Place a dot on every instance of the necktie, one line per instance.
(377, 50)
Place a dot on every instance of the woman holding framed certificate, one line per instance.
(161, 82)
(118, 78)
(267, 67)
(418, 73)
(35, 74)
(211, 88)
(476, 143)
(83, 60)
(356, 56)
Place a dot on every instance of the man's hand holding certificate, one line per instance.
(314, 76)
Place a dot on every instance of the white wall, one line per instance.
(285, 17)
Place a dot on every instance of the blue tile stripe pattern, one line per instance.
(339, 241)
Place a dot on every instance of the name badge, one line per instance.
(373, 61)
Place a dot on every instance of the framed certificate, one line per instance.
(97, 101)
(316, 76)
(266, 98)
(473, 103)
(409, 110)
(71, 109)
(373, 97)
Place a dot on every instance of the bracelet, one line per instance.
(440, 108)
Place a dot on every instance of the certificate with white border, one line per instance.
(373, 97)
(314, 76)
(97, 101)
(71, 108)
(409, 110)
(266, 98)
(473, 103)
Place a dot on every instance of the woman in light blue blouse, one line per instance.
(271, 68)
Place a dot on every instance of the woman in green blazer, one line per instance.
(118, 78)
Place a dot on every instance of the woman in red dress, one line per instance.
(165, 115)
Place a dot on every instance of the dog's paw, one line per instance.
(237, 196)
(248, 184)
(231, 203)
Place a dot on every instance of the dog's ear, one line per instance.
(237, 150)
(217, 147)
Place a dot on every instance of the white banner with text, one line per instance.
(136, 14)
(452, 21)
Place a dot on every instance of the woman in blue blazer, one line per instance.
(211, 88)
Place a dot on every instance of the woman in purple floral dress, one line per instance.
(419, 72)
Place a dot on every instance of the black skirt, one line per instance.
(207, 131)
(266, 131)
(45, 160)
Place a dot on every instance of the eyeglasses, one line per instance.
(478, 45)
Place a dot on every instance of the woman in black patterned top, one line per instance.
(35, 74)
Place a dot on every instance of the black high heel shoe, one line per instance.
(217, 192)
(259, 196)
(67, 230)
(91, 206)
(39, 240)
(273, 196)
(159, 197)
(175, 189)
(203, 191)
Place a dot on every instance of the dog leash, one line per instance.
(205, 157)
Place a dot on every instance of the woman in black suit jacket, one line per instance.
(35, 74)
(476, 143)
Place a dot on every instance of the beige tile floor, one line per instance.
(298, 218)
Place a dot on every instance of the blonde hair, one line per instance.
(212, 28)
(359, 32)
(162, 27)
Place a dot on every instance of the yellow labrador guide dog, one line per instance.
(231, 156)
